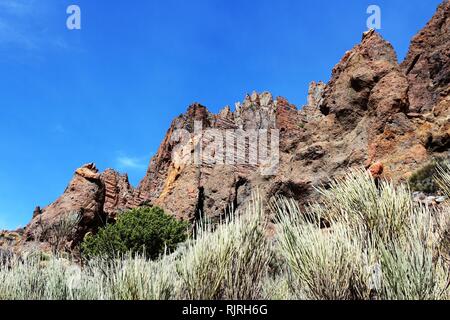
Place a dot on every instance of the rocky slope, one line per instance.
(374, 112)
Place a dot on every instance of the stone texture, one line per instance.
(427, 64)
(84, 195)
(96, 197)
(373, 113)
(118, 193)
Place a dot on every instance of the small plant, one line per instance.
(230, 262)
(378, 245)
(62, 230)
(424, 178)
(6, 255)
(328, 264)
(443, 178)
(56, 233)
(356, 200)
(146, 231)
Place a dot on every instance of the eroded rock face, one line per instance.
(84, 195)
(96, 197)
(118, 193)
(427, 64)
(187, 189)
(374, 112)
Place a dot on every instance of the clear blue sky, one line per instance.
(108, 92)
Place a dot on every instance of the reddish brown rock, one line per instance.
(118, 193)
(376, 170)
(373, 113)
(37, 212)
(348, 93)
(95, 197)
(84, 195)
(427, 64)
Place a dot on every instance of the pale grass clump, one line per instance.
(356, 200)
(443, 178)
(330, 264)
(413, 265)
(129, 278)
(281, 286)
(136, 278)
(380, 245)
(362, 240)
(31, 278)
(229, 262)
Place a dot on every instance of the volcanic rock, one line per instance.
(427, 64)
(373, 113)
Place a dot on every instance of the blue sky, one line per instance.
(108, 92)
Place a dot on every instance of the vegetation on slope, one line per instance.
(146, 231)
(380, 245)
(424, 179)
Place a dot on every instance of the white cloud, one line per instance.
(126, 162)
(26, 25)
(10, 34)
(15, 16)
(17, 7)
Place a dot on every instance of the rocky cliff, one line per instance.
(374, 112)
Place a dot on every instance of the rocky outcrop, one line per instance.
(188, 189)
(362, 117)
(374, 112)
(84, 196)
(427, 64)
(118, 193)
(95, 197)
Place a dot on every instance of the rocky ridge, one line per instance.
(374, 112)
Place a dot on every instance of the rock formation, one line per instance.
(118, 193)
(95, 197)
(84, 196)
(374, 112)
(427, 64)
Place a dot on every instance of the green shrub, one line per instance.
(147, 231)
(377, 244)
(424, 178)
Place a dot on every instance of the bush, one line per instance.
(377, 244)
(356, 201)
(424, 179)
(229, 263)
(380, 245)
(328, 264)
(6, 255)
(58, 232)
(145, 231)
(443, 178)
(128, 278)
